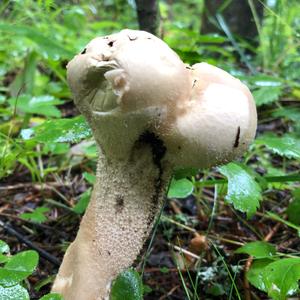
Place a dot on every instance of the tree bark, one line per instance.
(148, 15)
(237, 15)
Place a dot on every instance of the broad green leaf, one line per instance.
(41, 105)
(256, 273)
(243, 191)
(90, 178)
(127, 286)
(180, 188)
(56, 148)
(293, 210)
(16, 292)
(2, 99)
(38, 215)
(18, 268)
(285, 146)
(4, 248)
(59, 131)
(52, 296)
(50, 48)
(185, 172)
(291, 113)
(257, 249)
(281, 277)
(266, 95)
(83, 202)
(262, 80)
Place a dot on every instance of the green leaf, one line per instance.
(16, 292)
(216, 289)
(19, 267)
(266, 95)
(41, 105)
(38, 215)
(83, 202)
(287, 223)
(256, 273)
(281, 277)
(90, 178)
(52, 296)
(50, 48)
(56, 148)
(4, 248)
(293, 210)
(181, 188)
(59, 131)
(257, 249)
(262, 80)
(285, 146)
(291, 113)
(127, 286)
(243, 191)
(185, 172)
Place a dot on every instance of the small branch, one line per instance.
(37, 186)
(24, 240)
(184, 251)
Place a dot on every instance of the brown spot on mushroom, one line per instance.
(83, 51)
(108, 252)
(119, 206)
(237, 138)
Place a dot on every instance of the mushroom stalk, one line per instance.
(116, 223)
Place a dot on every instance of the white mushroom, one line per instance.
(149, 113)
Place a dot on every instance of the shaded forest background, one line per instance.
(214, 240)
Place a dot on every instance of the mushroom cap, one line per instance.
(219, 123)
(134, 70)
(131, 82)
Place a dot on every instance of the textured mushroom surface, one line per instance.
(149, 113)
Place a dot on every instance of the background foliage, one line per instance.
(227, 233)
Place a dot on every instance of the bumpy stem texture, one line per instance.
(126, 198)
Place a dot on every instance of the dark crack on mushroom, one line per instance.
(194, 83)
(119, 206)
(83, 51)
(158, 152)
(157, 146)
(237, 138)
(132, 38)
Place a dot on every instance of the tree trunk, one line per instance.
(237, 15)
(148, 15)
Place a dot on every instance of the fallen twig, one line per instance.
(24, 240)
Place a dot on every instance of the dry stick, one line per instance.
(22, 239)
(250, 260)
(169, 293)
